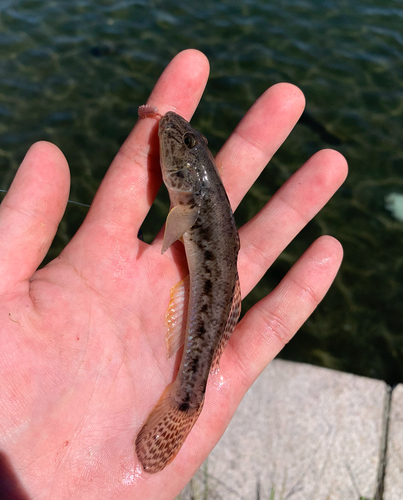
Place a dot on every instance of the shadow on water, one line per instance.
(10, 486)
(309, 121)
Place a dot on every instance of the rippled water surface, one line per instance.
(74, 72)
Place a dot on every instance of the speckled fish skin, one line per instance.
(211, 245)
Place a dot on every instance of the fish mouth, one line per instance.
(171, 120)
(165, 123)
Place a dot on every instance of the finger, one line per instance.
(31, 211)
(273, 321)
(265, 236)
(257, 137)
(132, 181)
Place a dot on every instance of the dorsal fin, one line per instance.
(230, 326)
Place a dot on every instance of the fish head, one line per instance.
(181, 149)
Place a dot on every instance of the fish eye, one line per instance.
(189, 140)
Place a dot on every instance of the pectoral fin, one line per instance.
(180, 219)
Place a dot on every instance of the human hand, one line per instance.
(83, 357)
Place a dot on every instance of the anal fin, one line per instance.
(176, 316)
(230, 326)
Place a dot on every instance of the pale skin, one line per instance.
(83, 358)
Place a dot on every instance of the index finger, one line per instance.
(133, 179)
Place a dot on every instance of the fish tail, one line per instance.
(165, 431)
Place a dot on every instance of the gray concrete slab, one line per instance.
(301, 432)
(393, 484)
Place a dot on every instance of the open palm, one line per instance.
(83, 358)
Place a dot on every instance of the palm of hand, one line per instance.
(84, 357)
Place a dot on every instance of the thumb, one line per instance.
(31, 211)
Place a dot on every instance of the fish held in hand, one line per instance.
(205, 306)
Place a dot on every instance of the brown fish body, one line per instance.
(202, 216)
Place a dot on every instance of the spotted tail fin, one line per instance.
(164, 432)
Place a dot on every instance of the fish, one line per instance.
(204, 307)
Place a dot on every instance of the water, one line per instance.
(74, 72)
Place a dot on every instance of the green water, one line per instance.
(74, 72)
